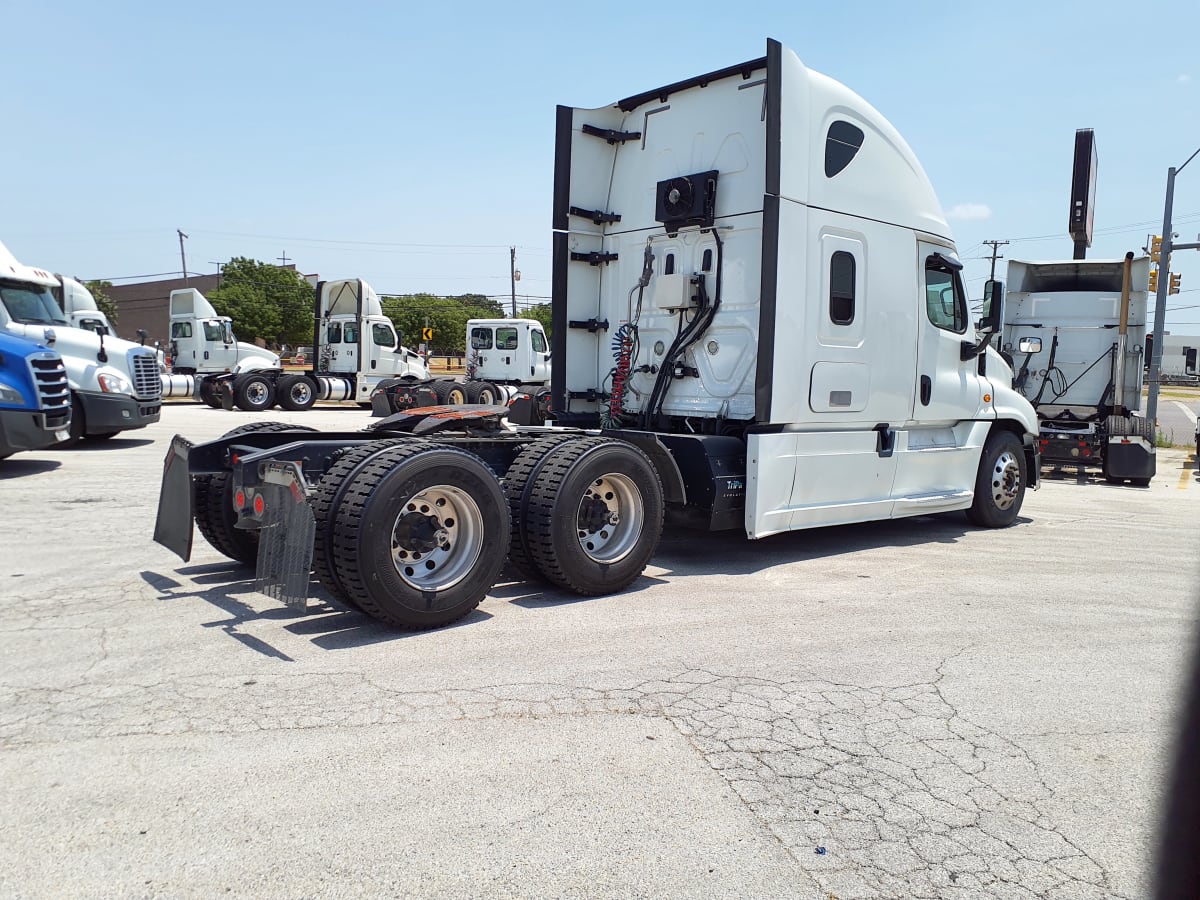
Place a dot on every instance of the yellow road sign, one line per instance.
(427, 334)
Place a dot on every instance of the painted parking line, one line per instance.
(1189, 467)
(1187, 411)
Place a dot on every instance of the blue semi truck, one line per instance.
(35, 399)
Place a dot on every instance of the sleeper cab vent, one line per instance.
(687, 200)
(841, 144)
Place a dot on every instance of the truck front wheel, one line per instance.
(594, 516)
(420, 535)
(253, 393)
(1000, 482)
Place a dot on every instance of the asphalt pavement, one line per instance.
(903, 709)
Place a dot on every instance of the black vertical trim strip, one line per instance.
(558, 321)
(562, 168)
(774, 115)
(765, 365)
(317, 319)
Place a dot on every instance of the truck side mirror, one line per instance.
(1029, 345)
(993, 307)
(142, 334)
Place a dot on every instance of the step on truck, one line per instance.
(508, 362)
(356, 348)
(759, 324)
(35, 399)
(1075, 331)
(114, 384)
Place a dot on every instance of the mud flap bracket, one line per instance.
(285, 540)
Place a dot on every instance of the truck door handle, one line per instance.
(885, 440)
(926, 390)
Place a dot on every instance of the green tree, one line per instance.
(541, 312)
(265, 301)
(447, 316)
(105, 303)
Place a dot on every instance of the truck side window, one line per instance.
(181, 330)
(841, 288)
(351, 333)
(333, 334)
(945, 302)
(212, 331)
(539, 341)
(382, 336)
(506, 339)
(481, 339)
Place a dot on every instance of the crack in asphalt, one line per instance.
(905, 797)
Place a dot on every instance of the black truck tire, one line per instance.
(421, 535)
(326, 498)
(450, 393)
(77, 428)
(595, 515)
(208, 393)
(212, 504)
(1000, 482)
(296, 393)
(519, 480)
(483, 392)
(253, 392)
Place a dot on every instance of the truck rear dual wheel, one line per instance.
(212, 504)
(519, 480)
(420, 535)
(594, 515)
(253, 393)
(483, 392)
(208, 393)
(451, 393)
(1000, 482)
(296, 392)
(326, 498)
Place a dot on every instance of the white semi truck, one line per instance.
(114, 383)
(759, 323)
(356, 348)
(1076, 332)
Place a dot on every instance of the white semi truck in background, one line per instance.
(114, 383)
(1076, 333)
(759, 323)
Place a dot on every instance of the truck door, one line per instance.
(219, 352)
(539, 369)
(948, 388)
(341, 337)
(385, 355)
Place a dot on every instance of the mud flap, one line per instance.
(285, 540)
(173, 526)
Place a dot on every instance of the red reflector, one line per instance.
(239, 500)
(259, 506)
(1087, 452)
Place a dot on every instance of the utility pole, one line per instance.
(182, 255)
(220, 271)
(996, 245)
(512, 261)
(1164, 284)
(283, 260)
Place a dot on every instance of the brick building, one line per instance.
(144, 305)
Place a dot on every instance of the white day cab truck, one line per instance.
(508, 364)
(759, 323)
(356, 349)
(114, 383)
(1076, 333)
(35, 399)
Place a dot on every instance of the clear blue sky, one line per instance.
(411, 144)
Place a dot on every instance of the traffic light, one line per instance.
(1175, 279)
(1154, 281)
(1155, 248)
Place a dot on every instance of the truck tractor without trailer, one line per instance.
(114, 383)
(1076, 332)
(356, 348)
(508, 362)
(35, 399)
(759, 323)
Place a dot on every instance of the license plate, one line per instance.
(62, 434)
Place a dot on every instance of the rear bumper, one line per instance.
(117, 412)
(26, 430)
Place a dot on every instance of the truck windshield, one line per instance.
(30, 304)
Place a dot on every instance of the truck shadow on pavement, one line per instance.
(93, 446)
(333, 626)
(16, 468)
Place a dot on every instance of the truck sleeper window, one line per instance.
(481, 339)
(506, 339)
(841, 288)
(945, 303)
(333, 334)
(351, 333)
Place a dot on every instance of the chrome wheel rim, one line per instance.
(301, 391)
(257, 392)
(437, 538)
(1006, 480)
(610, 517)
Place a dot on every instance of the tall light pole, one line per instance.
(182, 255)
(1164, 284)
(513, 276)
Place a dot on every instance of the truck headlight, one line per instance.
(11, 395)
(115, 384)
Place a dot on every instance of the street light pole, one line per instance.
(512, 271)
(1164, 286)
